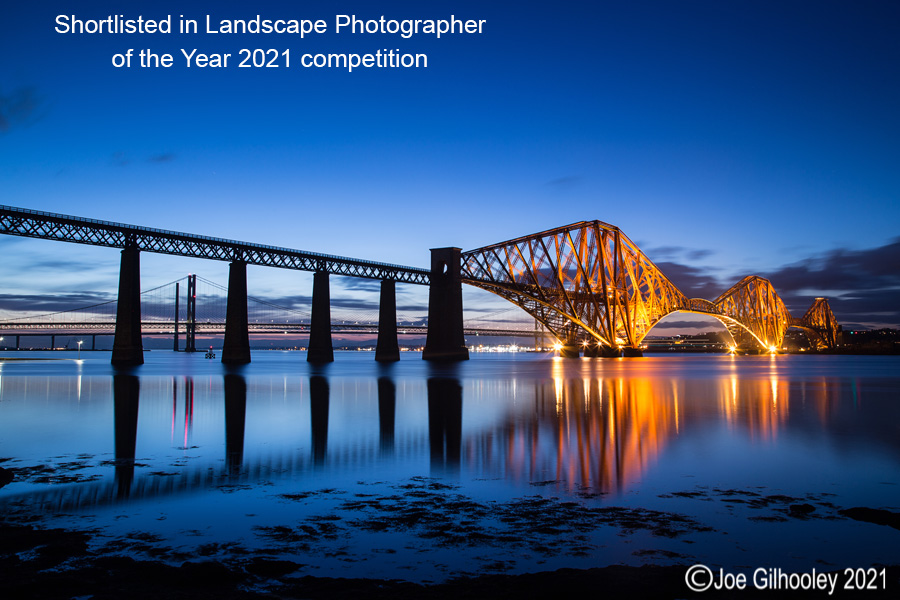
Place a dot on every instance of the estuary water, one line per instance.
(505, 463)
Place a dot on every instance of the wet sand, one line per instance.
(55, 563)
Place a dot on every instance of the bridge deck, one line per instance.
(66, 228)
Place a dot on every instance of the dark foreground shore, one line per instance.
(58, 564)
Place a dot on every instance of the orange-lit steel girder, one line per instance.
(589, 281)
(820, 324)
(586, 280)
(753, 306)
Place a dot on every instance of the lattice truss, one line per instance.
(583, 281)
(588, 281)
(66, 228)
(752, 307)
(821, 323)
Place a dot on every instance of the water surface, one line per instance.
(505, 463)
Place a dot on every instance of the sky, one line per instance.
(724, 138)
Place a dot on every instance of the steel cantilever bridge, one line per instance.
(591, 285)
(587, 283)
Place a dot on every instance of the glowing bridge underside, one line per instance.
(588, 282)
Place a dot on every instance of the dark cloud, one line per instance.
(56, 264)
(18, 107)
(44, 303)
(413, 308)
(672, 252)
(500, 321)
(862, 286)
(842, 269)
(565, 182)
(358, 283)
(661, 252)
(303, 303)
(121, 159)
(704, 325)
(694, 282)
(699, 254)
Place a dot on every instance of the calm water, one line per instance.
(505, 463)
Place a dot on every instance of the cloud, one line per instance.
(694, 282)
(303, 303)
(862, 286)
(121, 159)
(699, 254)
(565, 182)
(661, 252)
(45, 303)
(671, 252)
(56, 264)
(843, 269)
(705, 325)
(18, 107)
(358, 283)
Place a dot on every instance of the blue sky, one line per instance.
(725, 138)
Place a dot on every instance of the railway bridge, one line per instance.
(586, 283)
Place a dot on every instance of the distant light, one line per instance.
(773, 349)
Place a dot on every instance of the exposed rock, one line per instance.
(5, 476)
(873, 515)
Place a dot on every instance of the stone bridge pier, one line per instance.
(445, 340)
(445, 337)
(128, 349)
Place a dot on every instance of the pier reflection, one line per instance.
(235, 417)
(387, 409)
(318, 411)
(126, 393)
(600, 427)
(444, 424)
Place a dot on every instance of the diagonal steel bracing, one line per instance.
(65, 228)
(584, 281)
(588, 281)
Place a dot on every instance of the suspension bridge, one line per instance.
(195, 305)
(589, 285)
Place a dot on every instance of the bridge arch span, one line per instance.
(587, 281)
(730, 325)
(583, 281)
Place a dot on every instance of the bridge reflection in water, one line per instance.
(602, 433)
(583, 428)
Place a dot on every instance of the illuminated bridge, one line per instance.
(592, 286)
(586, 283)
